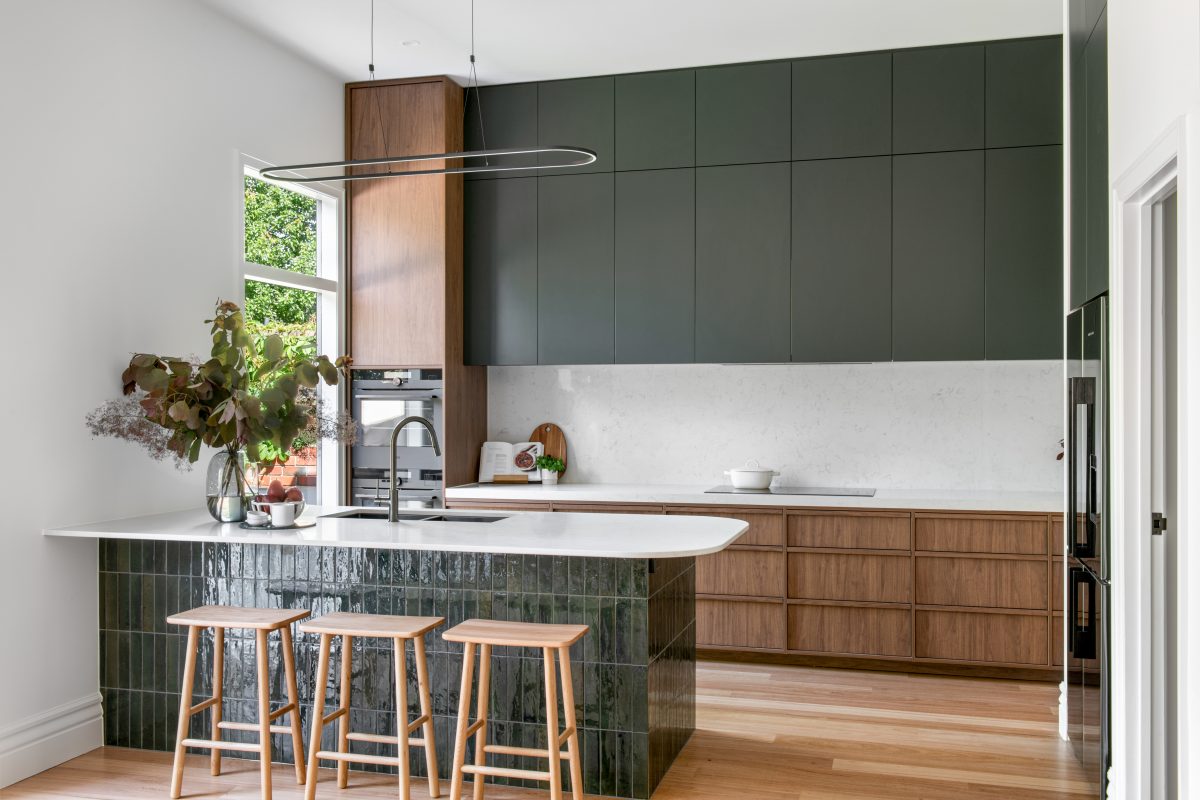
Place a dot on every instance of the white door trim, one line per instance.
(1160, 170)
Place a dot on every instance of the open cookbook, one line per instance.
(504, 462)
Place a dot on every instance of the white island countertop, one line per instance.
(529, 533)
(691, 495)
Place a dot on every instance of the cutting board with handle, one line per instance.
(554, 441)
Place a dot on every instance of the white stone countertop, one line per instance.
(1031, 502)
(531, 533)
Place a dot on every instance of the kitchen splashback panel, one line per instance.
(990, 426)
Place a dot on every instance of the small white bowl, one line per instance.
(257, 518)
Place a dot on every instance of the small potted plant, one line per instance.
(550, 467)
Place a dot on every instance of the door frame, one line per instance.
(1163, 168)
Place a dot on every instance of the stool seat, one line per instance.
(515, 634)
(345, 623)
(261, 619)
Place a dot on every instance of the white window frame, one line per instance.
(328, 283)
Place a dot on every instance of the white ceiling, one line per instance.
(525, 40)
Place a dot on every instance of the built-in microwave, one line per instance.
(379, 400)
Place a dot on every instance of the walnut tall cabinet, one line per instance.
(405, 251)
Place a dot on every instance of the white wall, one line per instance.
(1154, 80)
(122, 122)
(952, 426)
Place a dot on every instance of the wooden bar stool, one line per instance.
(550, 638)
(399, 629)
(262, 621)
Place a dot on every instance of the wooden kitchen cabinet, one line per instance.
(976, 637)
(766, 527)
(740, 624)
(872, 530)
(970, 533)
(742, 573)
(849, 630)
(849, 576)
(982, 582)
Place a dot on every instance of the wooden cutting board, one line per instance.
(554, 442)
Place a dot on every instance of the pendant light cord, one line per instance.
(375, 95)
(473, 83)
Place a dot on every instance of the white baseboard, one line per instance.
(48, 739)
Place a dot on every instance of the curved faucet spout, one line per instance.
(394, 483)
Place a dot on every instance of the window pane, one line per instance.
(281, 227)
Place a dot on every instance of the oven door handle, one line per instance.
(398, 394)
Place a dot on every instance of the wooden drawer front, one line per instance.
(485, 506)
(852, 531)
(1019, 535)
(997, 638)
(984, 582)
(846, 629)
(746, 573)
(607, 508)
(765, 528)
(849, 576)
(739, 623)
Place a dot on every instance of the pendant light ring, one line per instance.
(295, 173)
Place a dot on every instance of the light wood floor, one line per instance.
(763, 732)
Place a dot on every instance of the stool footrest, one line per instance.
(328, 718)
(417, 723)
(250, 726)
(279, 712)
(359, 758)
(505, 772)
(512, 750)
(380, 738)
(196, 709)
(566, 734)
(475, 726)
(211, 745)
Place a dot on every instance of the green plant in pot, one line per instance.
(252, 399)
(550, 466)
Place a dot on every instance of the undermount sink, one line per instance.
(410, 516)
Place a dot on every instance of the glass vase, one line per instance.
(230, 486)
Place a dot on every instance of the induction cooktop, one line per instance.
(826, 491)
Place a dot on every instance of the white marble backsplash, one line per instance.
(989, 426)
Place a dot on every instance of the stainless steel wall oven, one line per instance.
(378, 400)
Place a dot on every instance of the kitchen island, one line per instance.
(632, 580)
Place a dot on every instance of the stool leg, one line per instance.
(481, 705)
(343, 768)
(552, 745)
(218, 680)
(320, 684)
(264, 713)
(460, 736)
(401, 716)
(293, 693)
(435, 789)
(185, 709)
(568, 699)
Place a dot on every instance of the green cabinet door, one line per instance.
(1077, 130)
(743, 114)
(501, 116)
(842, 106)
(656, 120)
(937, 256)
(743, 227)
(655, 266)
(1023, 253)
(842, 260)
(1096, 166)
(500, 262)
(575, 269)
(577, 112)
(1024, 92)
(938, 99)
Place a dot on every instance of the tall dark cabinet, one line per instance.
(1088, 43)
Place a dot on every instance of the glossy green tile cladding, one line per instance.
(633, 674)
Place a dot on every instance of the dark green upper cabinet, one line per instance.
(842, 106)
(743, 230)
(1024, 92)
(842, 260)
(938, 99)
(501, 264)
(937, 256)
(656, 120)
(575, 269)
(1023, 253)
(577, 112)
(509, 119)
(1095, 69)
(656, 266)
(742, 114)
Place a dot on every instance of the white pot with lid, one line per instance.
(751, 476)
